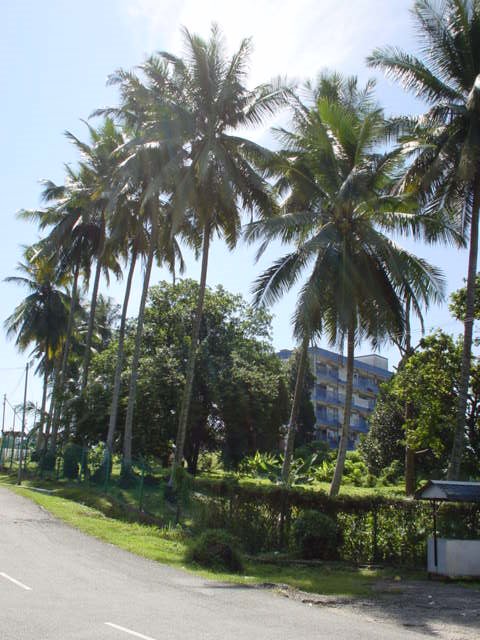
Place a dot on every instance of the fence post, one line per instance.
(281, 533)
(57, 465)
(375, 534)
(82, 464)
(106, 470)
(13, 450)
(1, 450)
(142, 478)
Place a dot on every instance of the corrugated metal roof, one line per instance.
(449, 491)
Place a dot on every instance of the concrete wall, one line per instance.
(456, 558)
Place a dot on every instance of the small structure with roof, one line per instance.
(448, 557)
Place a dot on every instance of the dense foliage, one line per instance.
(240, 397)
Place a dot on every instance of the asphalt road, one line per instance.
(59, 584)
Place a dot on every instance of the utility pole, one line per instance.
(20, 459)
(3, 416)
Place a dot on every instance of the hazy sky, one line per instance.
(55, 57)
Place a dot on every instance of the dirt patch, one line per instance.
(438, 609)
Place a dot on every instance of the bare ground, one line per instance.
(442, 610)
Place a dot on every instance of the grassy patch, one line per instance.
(393, 491)
(95, 514)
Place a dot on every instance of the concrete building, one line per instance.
(328, 395)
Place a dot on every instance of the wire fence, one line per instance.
(371, 530)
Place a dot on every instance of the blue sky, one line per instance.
(56, 55)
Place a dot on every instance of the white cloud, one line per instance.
(290, 37)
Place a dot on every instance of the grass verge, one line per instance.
(94, 514)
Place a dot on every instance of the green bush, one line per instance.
(316, 535)
(216, 549)
(71, 461)
(317, 447)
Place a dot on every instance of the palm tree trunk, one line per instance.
(51, 411)
(342, 447)
(192, 357)
(459, 436)
(44, 403)
(45, 388)
(120, 356)
(297, 396)
(91, 323)
(60, 379)
(409, 452)
(127, 438)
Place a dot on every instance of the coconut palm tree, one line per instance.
(93, 188)
(192, 107)
(70, 244)
(40, 320)
(337, 212)
(144, 175)
(443, 145)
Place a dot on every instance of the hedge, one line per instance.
(374, 529)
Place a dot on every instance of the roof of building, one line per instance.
(359, 365)
(449, 491)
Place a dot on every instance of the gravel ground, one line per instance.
(432, 608)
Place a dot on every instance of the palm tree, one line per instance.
(93, 188)
(145, 175)
(337, 212)
(192, 108)
(70, 244)
(443, 144)
(41, 319)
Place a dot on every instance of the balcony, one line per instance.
(327, 396)
(369, 386)
(330, 422)
(327, 375)
(369, 405)
(360, 427)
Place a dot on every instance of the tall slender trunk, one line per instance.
(112, 425)
(51, 411)
(459, 436)
(59, 382)
(45, 388)
(91, 324)
(297, 396)
(342, 447)
(127, 438)
(44, 402)
(409, 452)
(192, 357)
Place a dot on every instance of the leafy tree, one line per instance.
(240, 395)
(443, 144)
(428, 381)
(458, 302)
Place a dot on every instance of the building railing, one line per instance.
(327, 396)
(361, 427)
(327, 375)
(366, 386)
(331, 422)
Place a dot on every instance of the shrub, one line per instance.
(318, 447)
(71, 461)
(209, 461)
(316, 535)
(216, 549)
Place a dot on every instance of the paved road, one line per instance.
(59, 584)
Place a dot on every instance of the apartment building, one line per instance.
(328, 395)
